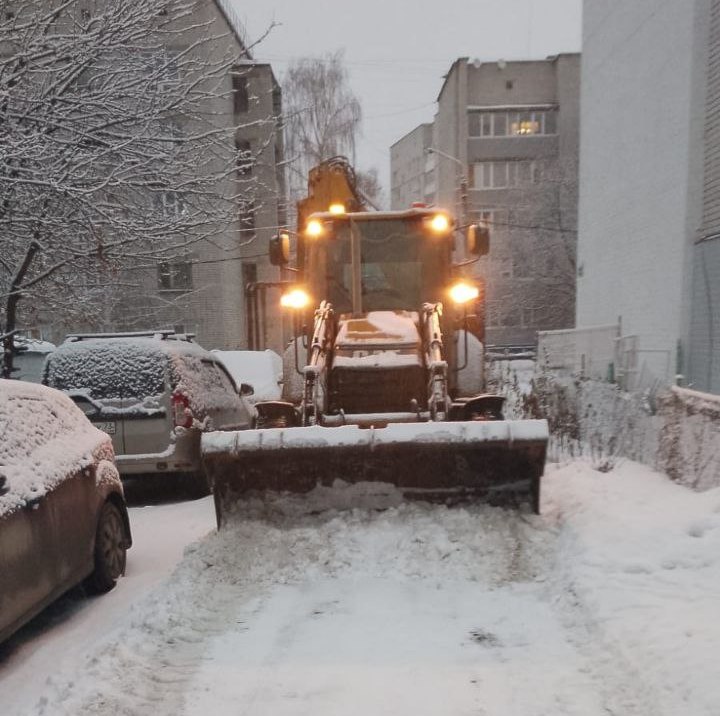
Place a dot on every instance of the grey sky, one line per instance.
(397, 52)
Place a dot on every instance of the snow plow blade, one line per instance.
(501, 461)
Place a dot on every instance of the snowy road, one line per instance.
(69, 630)
(606, 604)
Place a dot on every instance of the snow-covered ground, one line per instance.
(605, 604)
(59, 642)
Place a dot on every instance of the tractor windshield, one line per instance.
(403, 264)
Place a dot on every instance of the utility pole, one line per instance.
(464, 210)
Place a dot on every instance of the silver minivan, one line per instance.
(153, 393)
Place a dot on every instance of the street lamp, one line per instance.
(463, 180)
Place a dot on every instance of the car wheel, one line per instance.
(110, 549)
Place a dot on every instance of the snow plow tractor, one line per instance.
(389, 371)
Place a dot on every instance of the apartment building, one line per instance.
(412, 168)
(506, 138)
(206, 290)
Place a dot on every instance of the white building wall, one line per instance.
(638, 79)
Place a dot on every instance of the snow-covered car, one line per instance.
(63, 517)
(153, 393)
(263, 370)
(29, 359)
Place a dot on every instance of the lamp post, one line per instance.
(463, 180)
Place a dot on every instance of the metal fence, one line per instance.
(601, 353)
(589, 352)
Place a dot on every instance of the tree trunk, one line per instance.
(11, 310)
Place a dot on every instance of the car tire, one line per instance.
(110, 550)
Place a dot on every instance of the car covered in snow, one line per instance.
(153, 393)
(29, 358)
(63, 517)
(262, 370)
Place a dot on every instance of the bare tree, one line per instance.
(114, 150)
(323, 119)
(530, 272)
(369, 186)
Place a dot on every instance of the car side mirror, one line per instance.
(246, 389)
(477, 241)
(279, 249)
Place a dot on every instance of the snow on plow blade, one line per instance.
(500, 460)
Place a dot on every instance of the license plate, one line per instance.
(108, 428)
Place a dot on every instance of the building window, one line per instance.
(241, 97)
(175, 276)
(512, 124)
(244, 158)
(169, 204)
(494, 219)
(249, 273)
(504, 174)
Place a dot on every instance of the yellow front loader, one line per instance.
(392, 382)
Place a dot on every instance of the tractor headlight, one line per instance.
(295, 298)
(440, 224)
(463, 292)
(314, 228)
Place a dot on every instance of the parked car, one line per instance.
(263, 370)
(63, 517)
(153, 393)
(29, 358)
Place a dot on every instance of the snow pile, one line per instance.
(44, 439)
(689, 439)
(638, 579)
(261, 369)
(348, 601)
(677, 433)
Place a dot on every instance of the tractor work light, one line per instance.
(314, 228)
(440, 224)
(463, 292)
(295, 298)
(337, 209)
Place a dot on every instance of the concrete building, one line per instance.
(412, 168)
(509, 131)
(205, 292)
(649, 227)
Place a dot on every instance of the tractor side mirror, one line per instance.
(477, 242)
(279, 249)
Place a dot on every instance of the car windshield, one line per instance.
(108, 370)
(399, 264)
